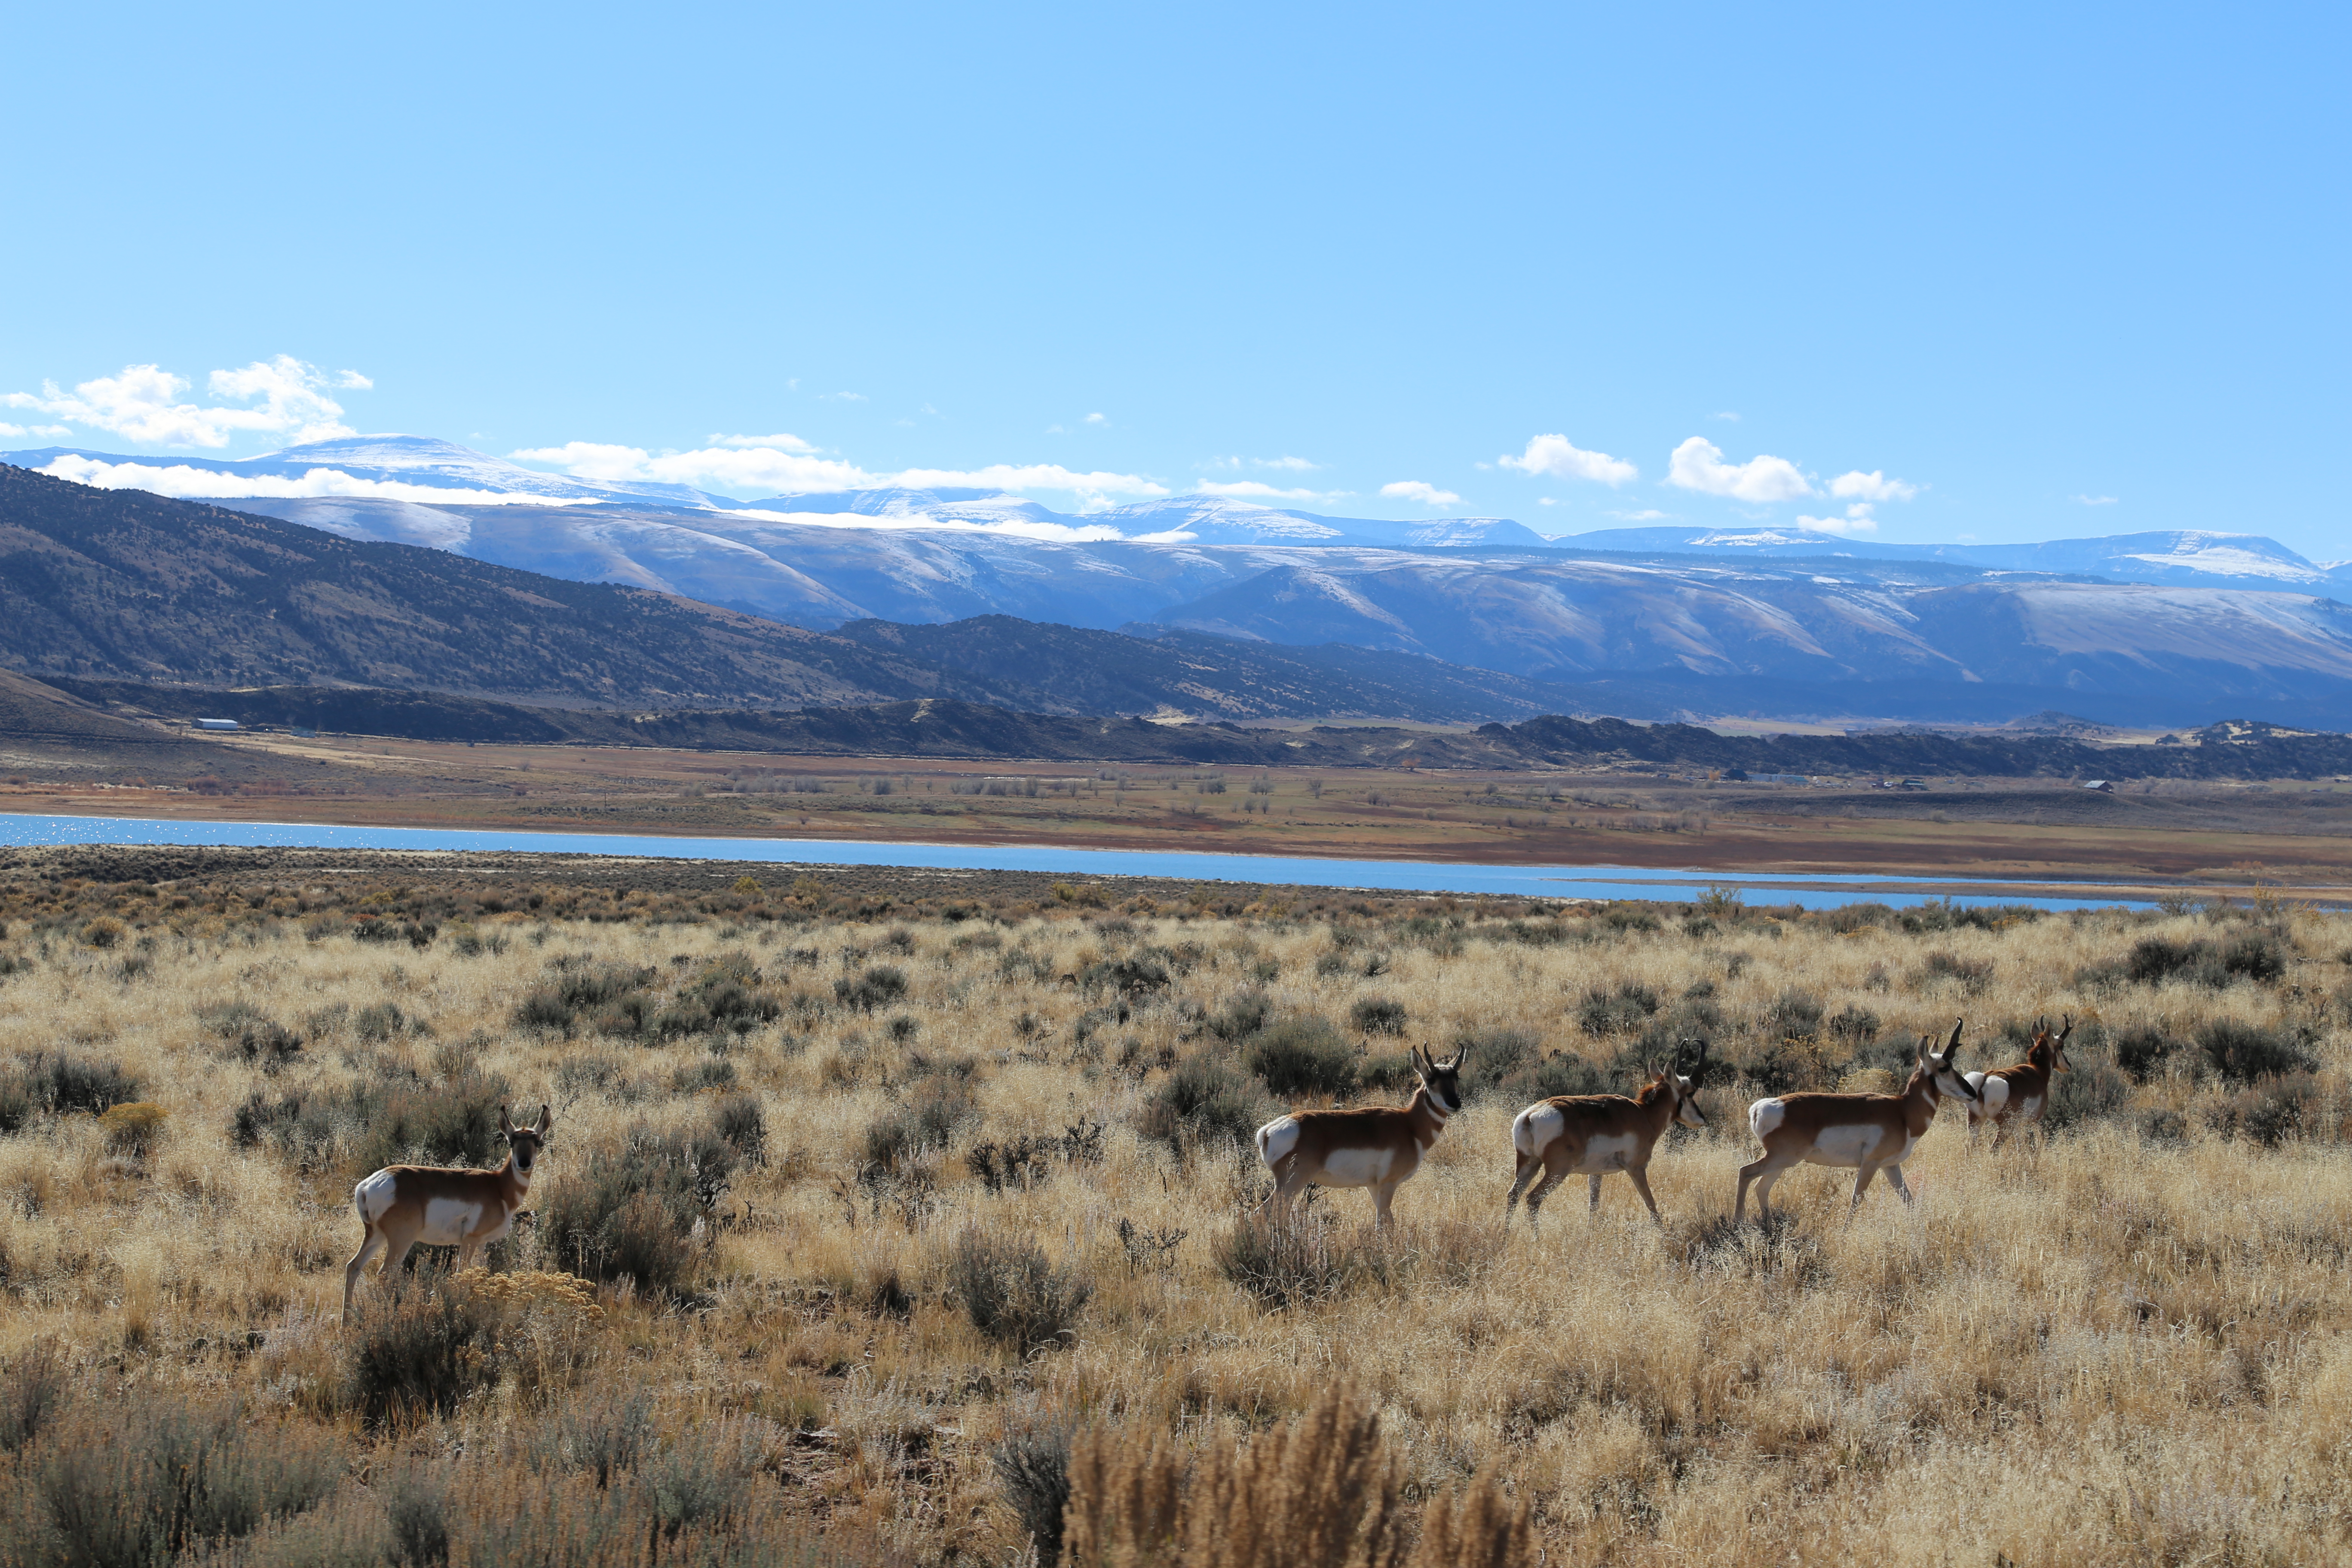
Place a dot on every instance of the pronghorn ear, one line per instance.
(546, 1121)
(1461, 1055)
(506, 1128)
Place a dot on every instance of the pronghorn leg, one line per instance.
(371, 1244)
(1762, 1167)
(1289, 1182)
(1381, 1194)
(394, 1257)
(1529, 1165)
(1592, 1185)
(1551, 1178)
(1999, 1133)
(1642, 1185)
(1764, 1193)
(1862, 1176)
(1895, 1175)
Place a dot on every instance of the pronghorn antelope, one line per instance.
(1865, 1133)
(1593, 1134)
(1377, 1147)
(2016, 1095)
(404, 1205)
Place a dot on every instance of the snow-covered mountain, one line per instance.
(397, 471)
(2179, 556)
(2182, 621)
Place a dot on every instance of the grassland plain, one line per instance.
(903, 1224)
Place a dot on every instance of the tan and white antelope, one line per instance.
(1589, 1135)
(2016, 1095)
(1378, 1147)
(1867, 1134)
(404, 1205)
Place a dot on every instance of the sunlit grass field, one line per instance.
(882, 1230)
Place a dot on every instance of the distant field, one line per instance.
(874, 1206)
(2299, 834)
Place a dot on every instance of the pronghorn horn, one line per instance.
(2066, 1028)
(1957, 1024)
(1461, 1055)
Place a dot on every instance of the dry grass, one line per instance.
(2125, 1342)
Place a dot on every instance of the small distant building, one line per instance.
(2104, 787)
(218, 724)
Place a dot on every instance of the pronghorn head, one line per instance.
(526, 1141)
(1684, 1086)
(2049, 1050)
(1442, 1079)
(1941, 1069)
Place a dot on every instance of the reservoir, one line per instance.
(1811, 890)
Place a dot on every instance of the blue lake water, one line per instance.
(1394, 875)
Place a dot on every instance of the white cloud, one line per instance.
(180, 479)
(1292, 464)
(1557, 456)
(1698, 465)
(1874, 486)
(730, 466)
(1546, 500)
(782, 443)
(1647, 514)
(841, 396)
(1727, 414)
(2096, 500)
(1034, 477)
(146, 404)
(1097, 419)
(738, 466)
(1420, 490)
(1857, 519)
(1256, 490)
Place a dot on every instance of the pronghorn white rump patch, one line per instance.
(374, 1196)
(1276, 1139)
(1764, 1116)
(1608, 1154)
(1357, 1167)
(448, 1221)
(1534, 1129)
(1995, 1091)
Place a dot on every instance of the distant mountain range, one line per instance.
(2169, 629)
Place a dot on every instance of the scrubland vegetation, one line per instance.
(880, 1229)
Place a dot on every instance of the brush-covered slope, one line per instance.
(1059, 668)
(126, 584)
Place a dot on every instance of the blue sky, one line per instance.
(2054, 270)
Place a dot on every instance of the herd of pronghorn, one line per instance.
(1381, 1147)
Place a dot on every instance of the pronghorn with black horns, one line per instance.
(401, 1206)
(1592, 1135)
(2017, 1096)
(1866, 1133)
(1378, 1147)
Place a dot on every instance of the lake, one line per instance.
(1394, 875)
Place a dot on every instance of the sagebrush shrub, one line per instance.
(1012, 1292)
(419, 1348)
(631, 1212)
(1300, 1055)
(1206, 1102)
(2241, 1053)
